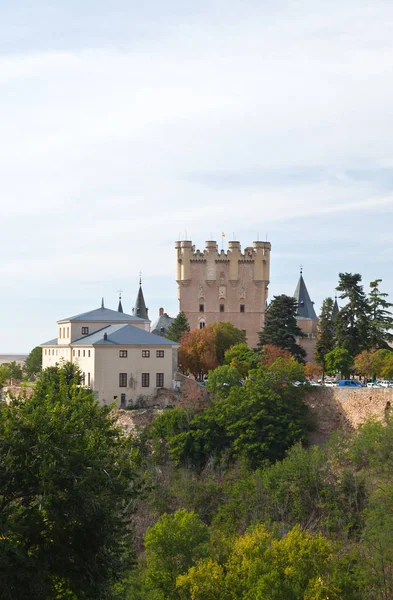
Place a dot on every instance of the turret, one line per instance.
(234, 254)
(211, 254)
(184, 255)
(261, 261)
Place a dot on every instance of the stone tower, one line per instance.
(219, 286)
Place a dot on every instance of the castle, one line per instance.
(232, 286)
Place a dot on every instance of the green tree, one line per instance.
(179, 326)
(4, 374)
(339, 361)
(281, 327)
(353, 320)
(381, 321)
(66, 491)
(33, 363)
(326, 333)
(173, 545)
(221, 380)
(227, 335)
(256, 422)
(242, 358)
(12, 370)
(299, 566)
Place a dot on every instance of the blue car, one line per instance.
(350, 383)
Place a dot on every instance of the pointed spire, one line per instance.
(335, 308)
(305, 308)
(120, 306)
(140, 309)
(102, 302)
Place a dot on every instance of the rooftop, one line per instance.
(122, 335)
(105, 315)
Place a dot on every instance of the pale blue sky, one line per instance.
(124, 124)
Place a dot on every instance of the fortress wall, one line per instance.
(346, 409)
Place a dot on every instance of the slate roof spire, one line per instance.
(335, 308)
(120, 306)
(102, 302)
(305, 308)
(140, 309)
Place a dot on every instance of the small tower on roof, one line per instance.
(140, 309)
(306, 317)
(120, 306)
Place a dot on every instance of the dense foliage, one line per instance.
(33, 363)
(67, 484)
(179, 326)
(281, 328)
(202, 350)
(361, 326)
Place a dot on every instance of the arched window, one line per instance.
(202, 323)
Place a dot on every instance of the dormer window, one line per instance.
(85, 331)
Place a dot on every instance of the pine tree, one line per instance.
(381, 320)
(281, 327)
(326, 332)
(353, 319)
(179, 326)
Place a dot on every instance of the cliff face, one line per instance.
(345, 409)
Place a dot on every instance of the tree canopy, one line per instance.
(67, 481)
(281, 327)
(33, 363)
(179, 326)
(202, 350)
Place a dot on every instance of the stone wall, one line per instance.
(345, 409)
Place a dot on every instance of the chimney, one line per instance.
(161, 312)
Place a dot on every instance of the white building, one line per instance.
(119, 358)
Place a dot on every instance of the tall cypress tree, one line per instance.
(326, 332)
(381, 320)
(281, 327)
(352, 321)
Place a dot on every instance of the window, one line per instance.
(160, 354)
(73, 353)
(145, 353)
(83, 378)
(201, 308)
(85, 330)
(122, 379)
(145, 379)
(84, 352)
(242, 308)
(60, 332)
(56, 352)
(88, 379)
(122, 400)
(53, 352)
(123, 353)
(68, 332)
(159, 380)
(221, 308)
(79, 352)
(202, 324)
(88, 353)
(45, 350)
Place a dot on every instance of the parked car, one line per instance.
(350, 383)
(385, 383)
(330, 383)
(374, 384)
